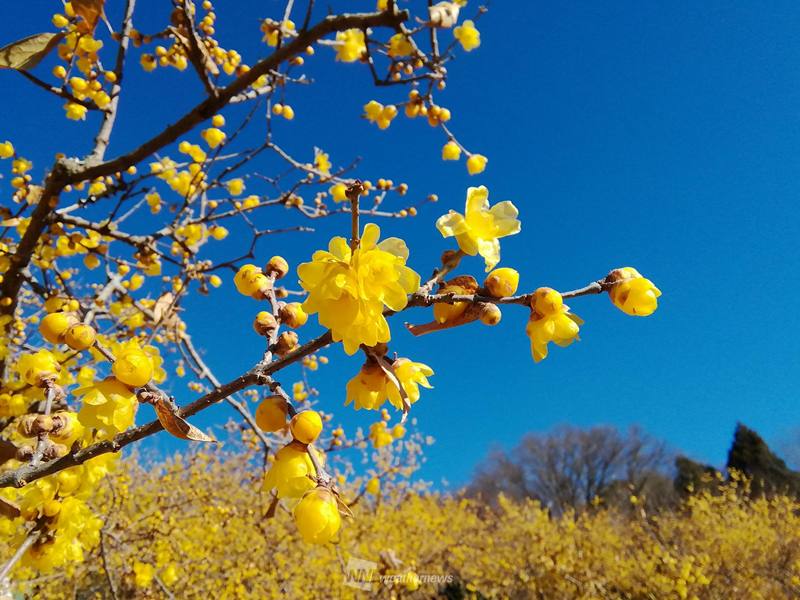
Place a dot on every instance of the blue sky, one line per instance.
(664, 136)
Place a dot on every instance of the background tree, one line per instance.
(574, 468)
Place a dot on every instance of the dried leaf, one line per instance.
(90, 10)
(8, 509)
(26, 53)
(444, 14)
(344, 510)
(177, 425)
(7, 451)
(164, 307)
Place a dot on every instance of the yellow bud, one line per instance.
(490, 314)
(292, 315)
(80, 336)
(265, 323)
(55, 325)
(306, 426)
(277, 267)
(271, 414)
(133, 368)
(502, 282)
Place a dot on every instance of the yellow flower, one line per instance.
(476, 163)
(381, 115)
(372, 386)
(373, 486)
(451, 151)
(143, 574)
(502, 282)
(351, 46)
(338, 192)
(479, 229)
(213, 136)
(468, 36)
(271, 414)
(75, 112)
(34, 368)
(306, 426)
(349, 290)
(133, 366)
(235, 187)
(368, 388)
(550, 321)
(6, 149)
(399, 45)
(108, 406)
(322, 161)
(292, 472)
(317, 516)
(411, 375)
(632, 293)
(379, 435)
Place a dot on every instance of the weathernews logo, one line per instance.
(363, 575)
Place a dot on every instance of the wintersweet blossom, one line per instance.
(550, 321)
(349, 290)
(478, 230)
(351, 45)
(632, 293)
(468, 35)
(317, 516)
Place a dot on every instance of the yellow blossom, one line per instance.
(451, 151)
(351, 45)
(400, 45)
(349, 290)
(108, 406)
(338, 192)
(632, 293)
(75, 112)
(379, 435)
(468, 35)
(476, 164)
(291, 473)
(317, 516)
(550, 321)
(478, 230)
(381, 115)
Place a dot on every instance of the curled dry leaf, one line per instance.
(177, 425)
(7, 451)
(443, 14)
(28, 52)
(9, 509)
(90, 11)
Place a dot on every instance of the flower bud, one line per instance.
(55, 325)
(631, 293)
(306, 426)
(277, 267)
(547, 301)
(292, 315)
(25, 426)
(271, 414)
(42, 424)
(133, 368)
(287, 342)
(265, 323)
(80, 336)
(502, 282)
(317, 516)
(490, 314)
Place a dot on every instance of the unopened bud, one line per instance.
(287, 342)
(265, 323)
(490, 314)
(277, 267)
(292, 315)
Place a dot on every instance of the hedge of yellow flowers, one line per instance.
(200, 526)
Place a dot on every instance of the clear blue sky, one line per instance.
(660, 135)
